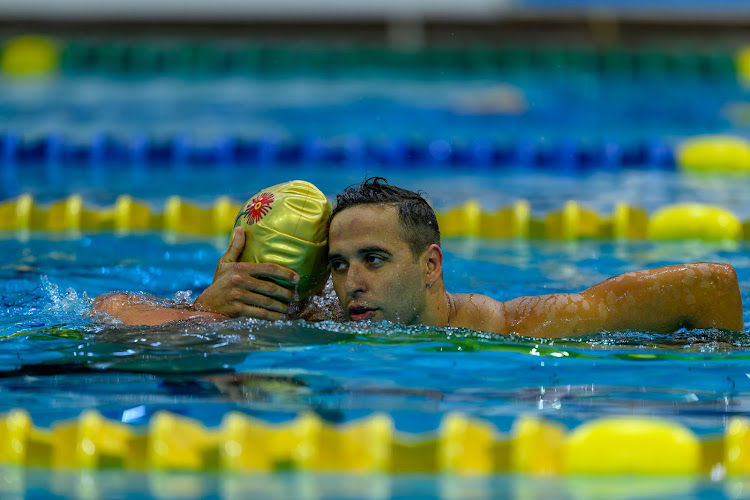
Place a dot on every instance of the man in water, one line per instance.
(387, 264)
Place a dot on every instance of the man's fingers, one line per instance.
(247, 311)
(262, 301)
(268, 270)
(262, 287)
(235, 246)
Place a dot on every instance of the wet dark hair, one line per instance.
(418, 223)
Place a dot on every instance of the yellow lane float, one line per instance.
(694, 221)
(573, 221)
(714, 154)
(463, 445)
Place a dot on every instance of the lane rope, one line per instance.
(571, 222)
(461, 445)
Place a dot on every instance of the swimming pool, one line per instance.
(56, 360)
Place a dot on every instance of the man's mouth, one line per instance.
(361, 313)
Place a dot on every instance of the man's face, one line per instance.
(374, 272)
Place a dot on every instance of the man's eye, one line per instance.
(338, 265)
(374, 259)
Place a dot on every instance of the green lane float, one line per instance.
(38, 55)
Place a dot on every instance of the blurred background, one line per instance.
(156, 98)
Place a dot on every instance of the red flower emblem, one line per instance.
(258, 208)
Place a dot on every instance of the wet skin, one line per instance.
(377, 277)
(375, 274)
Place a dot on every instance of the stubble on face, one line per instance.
(361, 236)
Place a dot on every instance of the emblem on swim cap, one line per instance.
(287, 224)
(258, 207)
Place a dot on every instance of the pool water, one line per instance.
(444, 104)
(351, 369)
(546, 190)
(57, 359)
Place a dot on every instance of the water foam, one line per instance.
(64, 302)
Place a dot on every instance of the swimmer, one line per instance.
(387, 264)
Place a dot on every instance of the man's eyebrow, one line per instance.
(373, 249)
(332, 256)
(362, 251)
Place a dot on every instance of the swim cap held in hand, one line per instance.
(287, 224)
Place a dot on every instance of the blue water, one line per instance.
(56, 359)
(444, 187)
(502, 106)
(345, 371)
(290, 486)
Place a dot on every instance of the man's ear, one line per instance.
(433, 259)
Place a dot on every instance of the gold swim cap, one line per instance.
(287, 224)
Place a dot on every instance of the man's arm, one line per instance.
(140, 309)
(661, 300)
(238, 289)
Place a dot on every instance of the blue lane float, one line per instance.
(140, 150)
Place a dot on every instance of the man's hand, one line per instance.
(242, 289)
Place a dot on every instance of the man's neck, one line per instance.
(440, 307)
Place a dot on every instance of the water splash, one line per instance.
(183, 298)
(64, 302)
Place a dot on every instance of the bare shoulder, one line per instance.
(478, 312)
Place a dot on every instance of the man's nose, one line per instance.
(355, 282)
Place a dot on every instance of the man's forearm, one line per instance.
(137, 309)
(698, 295)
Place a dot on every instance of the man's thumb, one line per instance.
(235, 246)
